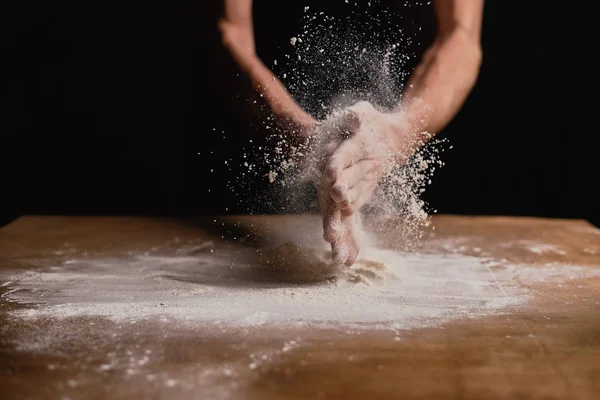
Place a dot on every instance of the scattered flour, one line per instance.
(385, 288)
(335, 61)
(541, 248)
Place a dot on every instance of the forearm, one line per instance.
(267, 85)
(442, 82)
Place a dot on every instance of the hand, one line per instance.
(373, 144)
(339, 230)
(338, 226)
(353, 167)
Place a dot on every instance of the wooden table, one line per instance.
(547, 348)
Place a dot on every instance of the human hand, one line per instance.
(338, 229)
(361, 144)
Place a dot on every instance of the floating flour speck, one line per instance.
(272, 175)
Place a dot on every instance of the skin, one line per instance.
(237, 33)
(355, 163)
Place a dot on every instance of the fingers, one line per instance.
(360, 193)
(334, 231)
(353, 243)
(344, 169)
(345, 249)
(331, 147)
(349, 210)
(358, 196)
(332, 221)
(340, 250)
(350, 177)
(334, 132)
(348, 153)
(328, 149)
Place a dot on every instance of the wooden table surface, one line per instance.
(547, 348)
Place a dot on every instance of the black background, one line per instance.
(106, 107)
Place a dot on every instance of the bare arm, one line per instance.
(448, 71)
(436, 91)
(237, 33)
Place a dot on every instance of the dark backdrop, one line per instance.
(117, 109)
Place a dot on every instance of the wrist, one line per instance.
(297, 124)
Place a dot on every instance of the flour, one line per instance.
(385, 289)
(333, 63)
(127, 316)
(541, 248)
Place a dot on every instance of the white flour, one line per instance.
(226, 287)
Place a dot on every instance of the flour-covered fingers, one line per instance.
(348, 210)
(352, 256)
(362, 191)
(340, 248)
(323, 158)
(348, 153)
(350, 177)
(358, 195)
(327, 151)
(353, 249)
(332, 220)
(330, 147)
